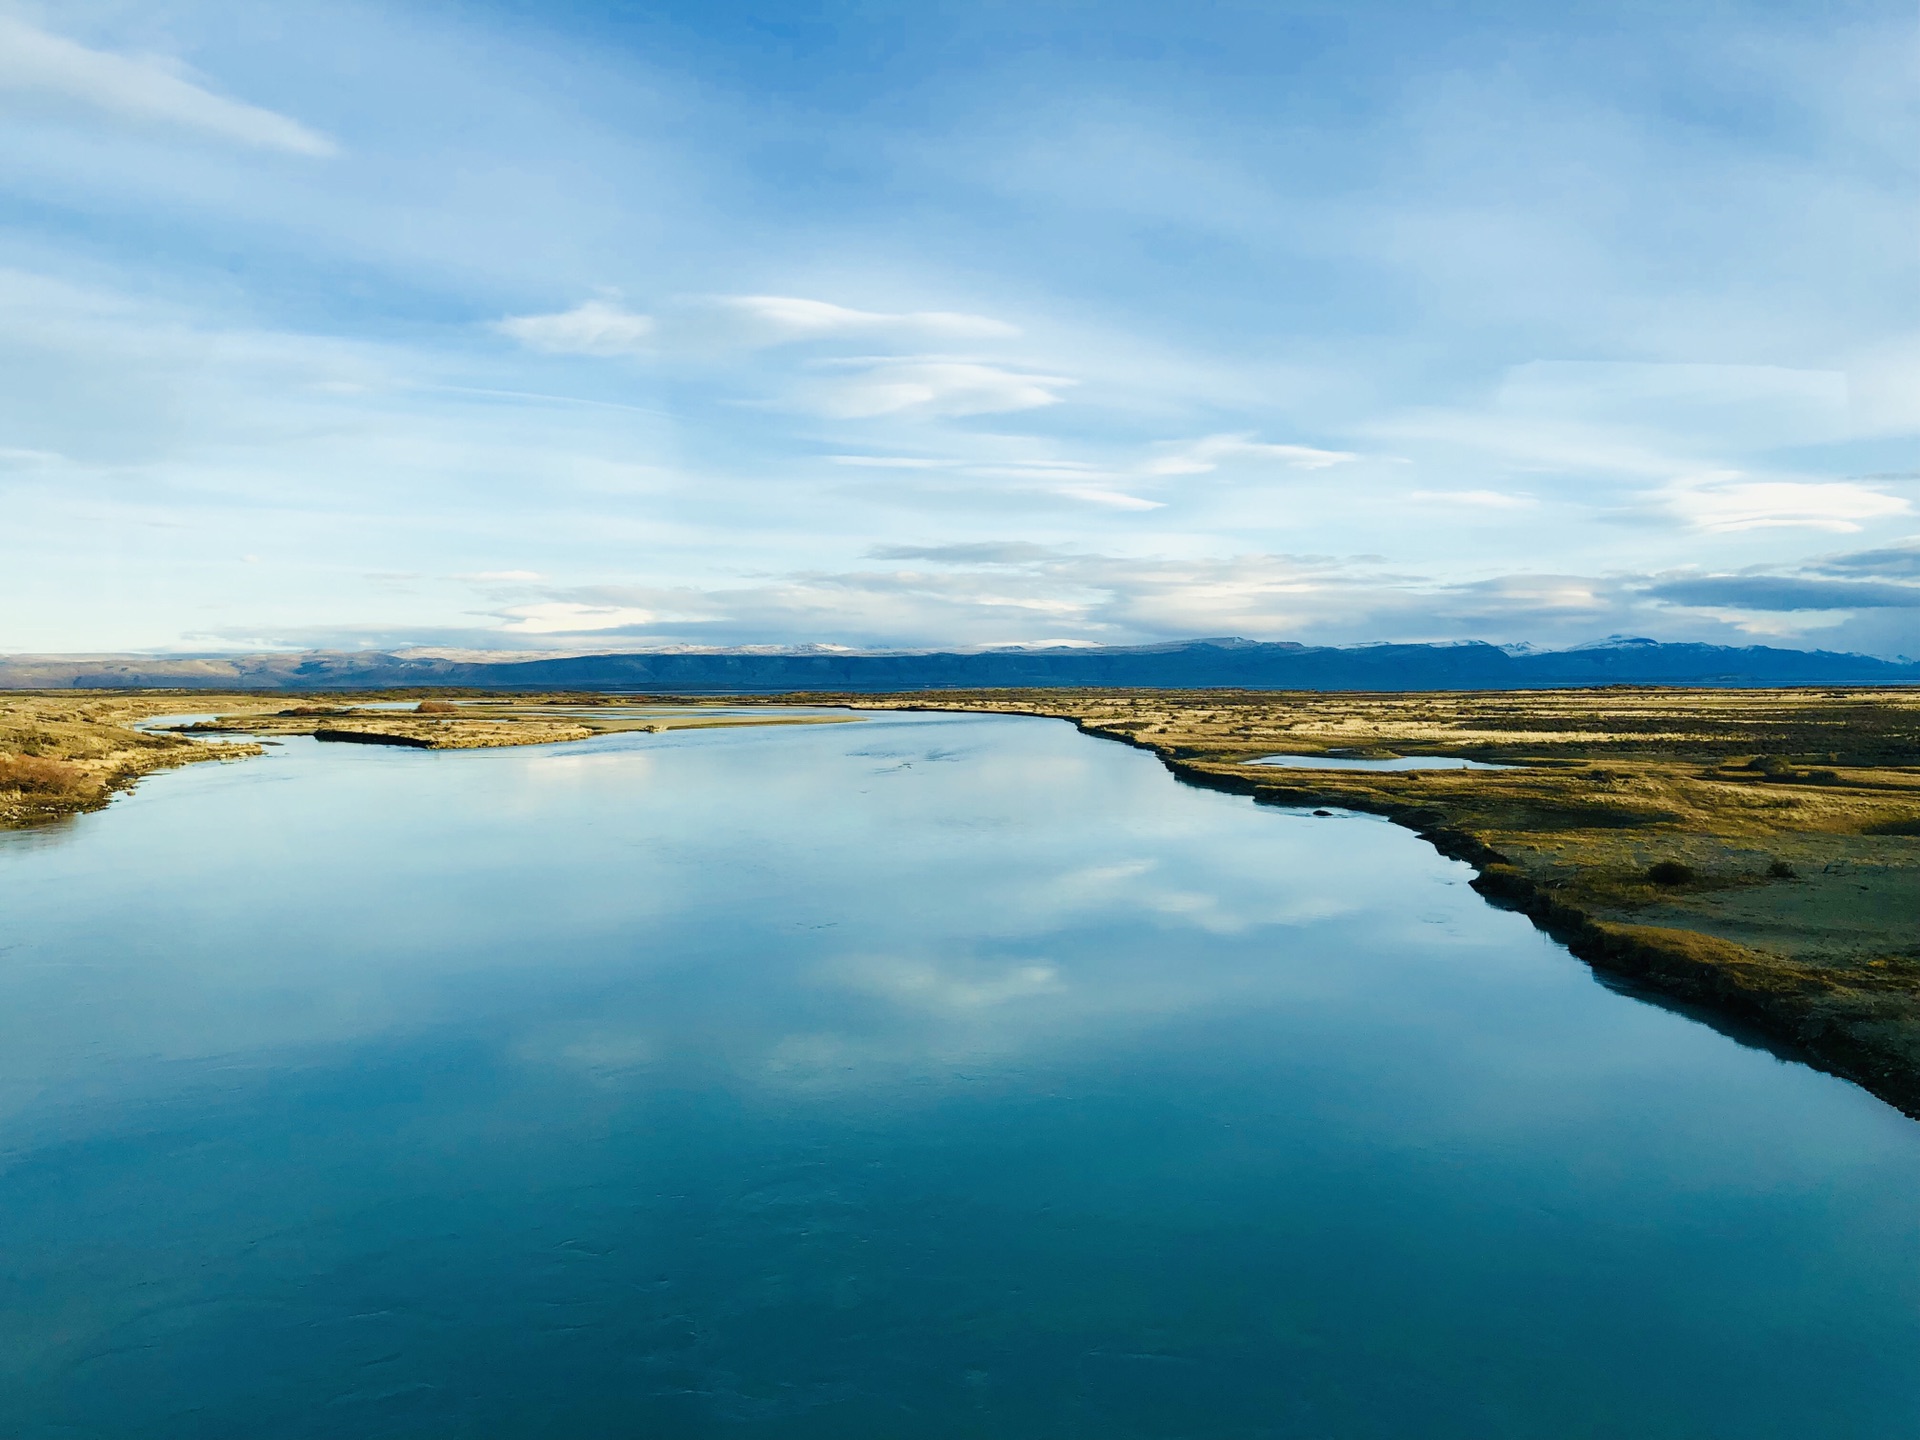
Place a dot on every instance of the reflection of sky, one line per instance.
(916, 888)
(912, 890)
(937, 1042)
(373, 891)
(1398, 762)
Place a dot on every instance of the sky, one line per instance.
(556, 326)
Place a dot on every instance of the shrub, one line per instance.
(1671, 872)
(1781, 870)
(31, 775)
(436, 707)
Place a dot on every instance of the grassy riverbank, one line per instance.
(66, 752)
(63, 753)
(1754, 855)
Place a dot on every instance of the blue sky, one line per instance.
(556, 326)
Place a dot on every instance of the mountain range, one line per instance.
(1190, 664)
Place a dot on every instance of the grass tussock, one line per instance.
(37, 775)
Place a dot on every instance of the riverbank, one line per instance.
(63, 753)
(1752, 856)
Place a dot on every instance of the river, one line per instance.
(931, 1076)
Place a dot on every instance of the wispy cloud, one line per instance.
(604, 313)
(1726, 504)
(145, 90)
(562, 617)
(739, 322)
(784, 319)
(1475, 499)
(597, 327)
(1112, 499)
(932, 387)
(846, 387)
(890, 462)
(1202, 457)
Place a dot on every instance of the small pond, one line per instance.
(1354, 762)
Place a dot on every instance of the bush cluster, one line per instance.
(1670, 872)
(32, 775)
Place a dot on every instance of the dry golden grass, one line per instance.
(32, 775)
(62, 752)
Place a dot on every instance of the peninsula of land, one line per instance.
(63, 753)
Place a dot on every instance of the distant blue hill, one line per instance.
(1194, 664)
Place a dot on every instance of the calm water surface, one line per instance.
(1399, 762)
(924, 1077)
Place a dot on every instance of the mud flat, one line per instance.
(1753, 856)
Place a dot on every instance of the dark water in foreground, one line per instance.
(927, 1077)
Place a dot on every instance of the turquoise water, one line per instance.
(922, 1077)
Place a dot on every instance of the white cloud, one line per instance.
(1476, 499)
(489, 576)
(146, 90)
(595, 328)
(1113, 499)
(781, 319)
(1041, 470)
(1201, 457)
(890, 462)
(1534, 594)
(562, 617)
(935, 387)
(1724, 504)
(1774, 624)
(736, 322)
(956, 985)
